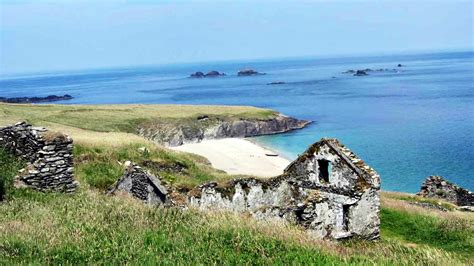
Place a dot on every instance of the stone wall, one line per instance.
(344, 204)
(141, 185)
(48, 154)
(440, 188)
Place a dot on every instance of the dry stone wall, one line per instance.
(49, 156)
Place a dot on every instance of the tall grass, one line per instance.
(9, 166)
(91, 228)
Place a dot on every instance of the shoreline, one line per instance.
(238, 156)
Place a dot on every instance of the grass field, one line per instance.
(121, 118)
(90, 227)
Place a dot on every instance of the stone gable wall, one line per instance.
(49, 156)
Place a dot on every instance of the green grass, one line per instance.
(453, 235)
(9, 166)
(122, 118)
(100, 167)
(90, 227)
(417, 199)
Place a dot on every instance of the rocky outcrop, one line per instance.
(50, 98)
(439, 188)
(276, 83)
(49, 156)
(327, 190)
(141, 185)
(207, 127)
(209, 74)
(248, 72)
(360, 73)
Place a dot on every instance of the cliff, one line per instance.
(207, 127)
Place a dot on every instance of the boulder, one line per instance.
(439, 188)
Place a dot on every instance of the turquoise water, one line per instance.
(407, 124)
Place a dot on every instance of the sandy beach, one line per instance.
(238, 156)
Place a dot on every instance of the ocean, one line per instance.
(407, 123)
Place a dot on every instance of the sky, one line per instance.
(47, 36)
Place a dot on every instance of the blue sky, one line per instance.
(38, 36)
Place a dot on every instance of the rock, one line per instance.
(209, 74)
(248, 72)
(360, 73)
(350, 71)
(214, 74)
(198, 74)
(50, 98)
(276, 83)
(143, 150)
(439, 188)
(466, 208)
(127, 164)
(203, 117)
(400, 65)
(141, 185)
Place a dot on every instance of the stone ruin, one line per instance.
(141, 185)
(327, 190)
(48, 155)
(439, 188)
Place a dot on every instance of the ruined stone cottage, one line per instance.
(48, 154)
(327, 190)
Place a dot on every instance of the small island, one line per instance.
(50, 98)
(209, 74)
(249, 72)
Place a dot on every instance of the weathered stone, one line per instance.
(327, 190)
(142, 185)
(48, 155)
(439, 188)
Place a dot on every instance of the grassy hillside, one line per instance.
(121, 118)
(91, 227)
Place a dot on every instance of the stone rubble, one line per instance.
(439, 188)
(141, 185)
(49, 156)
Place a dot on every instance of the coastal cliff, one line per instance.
(207, 127)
